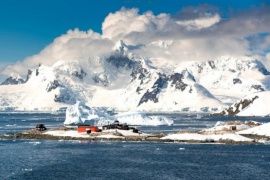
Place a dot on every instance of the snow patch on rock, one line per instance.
(207, 138)
(255, 104)
(262, 130)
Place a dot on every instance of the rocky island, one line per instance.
(235, 132)
(91, 124)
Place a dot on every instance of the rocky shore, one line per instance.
(117, 137)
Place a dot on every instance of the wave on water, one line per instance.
(34, 142)
(11, 125)
(30, 169)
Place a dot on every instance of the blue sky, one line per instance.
(27, 26)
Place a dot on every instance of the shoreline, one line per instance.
(154, 138)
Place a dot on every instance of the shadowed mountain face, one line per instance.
(176, 80)
(152, 94)
(13, 81)
(119, 60)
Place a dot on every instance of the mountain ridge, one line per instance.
(127, 82)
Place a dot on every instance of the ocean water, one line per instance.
(40, 159)
(12, 123)
(21, 159)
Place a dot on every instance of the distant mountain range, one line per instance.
(125, 82)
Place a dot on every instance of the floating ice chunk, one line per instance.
(35, 142)
(30, 169)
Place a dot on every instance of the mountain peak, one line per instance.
(120, 46)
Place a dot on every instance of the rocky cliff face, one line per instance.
(236, 107)
(255, 104)
(13, 80)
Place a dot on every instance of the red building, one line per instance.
(85, 128)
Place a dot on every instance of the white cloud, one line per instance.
(126, 23)
(195, 35)
(201, 22)
(73, 45)
(266, 43)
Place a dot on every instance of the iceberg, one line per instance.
(138, 118)
(79, 113)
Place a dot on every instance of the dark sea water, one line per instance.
(35, 159)
(22, 159)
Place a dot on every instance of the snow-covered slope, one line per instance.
(255, 104)
(126, 81)
(229, 79)
(39, 93)
(207, 138)
(262, 130)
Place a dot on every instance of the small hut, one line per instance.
(41, 127)
(117, 125)
(233, 128)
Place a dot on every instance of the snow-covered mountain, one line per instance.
(127, 82)
(230, 79)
